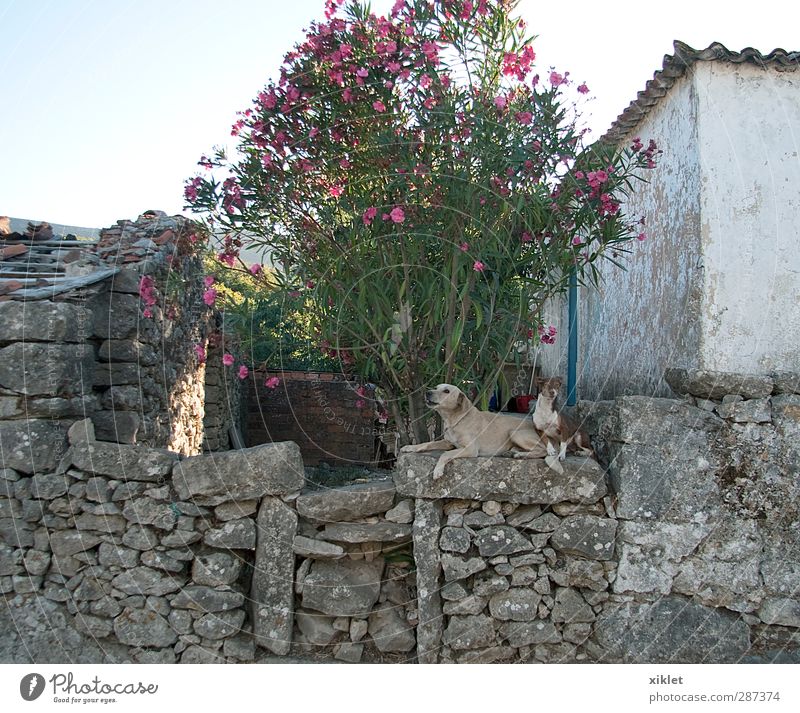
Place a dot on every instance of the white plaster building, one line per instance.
(717, 283)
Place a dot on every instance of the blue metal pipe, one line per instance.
(572, 351)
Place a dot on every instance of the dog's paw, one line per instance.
(408, 449)
(438, 472)
(553, 464)
(551, 451)
(562, 457)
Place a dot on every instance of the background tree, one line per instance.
(424, 190)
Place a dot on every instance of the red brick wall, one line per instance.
(316, 410)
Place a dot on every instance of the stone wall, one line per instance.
(689, 551)
(91, 351)
(316, 410)
(222, 399)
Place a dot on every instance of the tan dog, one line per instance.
(476, 433)
(554, 426)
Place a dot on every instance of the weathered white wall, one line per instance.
(643, 319)
(749, 138)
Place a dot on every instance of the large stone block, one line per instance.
(36, 369)
(671, 630)
(343, 587)
(514, 480)
(143, 627)
(586, 536)
(32, 446)
(715, 384)
(43, 321)
(348, 503)
(427, 557)
(272, 591)
(269, 469)
(367, 532)
(115, 316)
(123, 462)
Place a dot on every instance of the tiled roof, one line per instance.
(678, 64)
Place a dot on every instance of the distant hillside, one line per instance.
(19, 225)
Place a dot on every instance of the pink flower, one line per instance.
(200, 351)
(361, 391)
(397, 215)
(208, 280)
(272, 382)
(243, 372)
(369, 215)
(524, 117)
(148, 313)
(336, 191)
(378, 106)
(500, 102)
(641, 236)
(256, 269)
(227, 359)
(463, 247)
(547, 334)
(478, 266)
(577, 240)
(210, 296)
(425, 81)
(557, 79)
(361, 403)
(526, 237)
(310, 284)
(583, 89)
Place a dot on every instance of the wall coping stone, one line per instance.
(523, 481)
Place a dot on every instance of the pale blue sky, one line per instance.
(108, 104)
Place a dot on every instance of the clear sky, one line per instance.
(106, 105)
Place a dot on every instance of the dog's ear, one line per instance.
(557, 381)
(461, 401)
(539, 380)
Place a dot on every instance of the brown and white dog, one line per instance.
(469, 432)
(554, 426)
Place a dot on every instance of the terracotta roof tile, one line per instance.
(677, 65)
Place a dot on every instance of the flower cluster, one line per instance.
(547, 335)
(147, 293)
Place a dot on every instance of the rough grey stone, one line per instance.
(180, 538)
(469, 632)
(502, 479)
(44, 321)
(233, 535)
(161, 560)
(356, 532)
(236, 510)
(140, 538)
(143, 580)
(241, 647)
(487, 584)
(343, 587)
(402, 513)
(130, 350)
(36, 563)
(207, 599)
(195, 654)
(716, 384)
(390, 631)
(501, 540)
(460, 567)
(219, 625)
(143, 627)
(454, 539)
(106, 606)
(317, 549)
(123, 462)
(786, 382)
(46, 369)
(49, 486)
(100, 523)
(216, 568)
(114, 315)
(547, 522)
(523, 576)
(144, 511)
(571, 607)
(93, 626)
(587, 536)
(478, 519)
(349, 652)
(317, 629)
(68, 542)
(32, 446)
(781, 611)
(347, 503)
(272, 591)
(483, 656)
(116, 426)
(517, 604)
(269, 469)
(671, 630)
(471, 604)
(523, 515)
(529, 633)
(750, 411)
